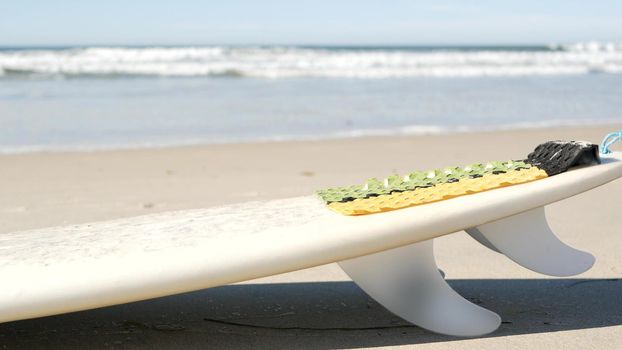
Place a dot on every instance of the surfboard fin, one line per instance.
(527, 239)
(408, 283)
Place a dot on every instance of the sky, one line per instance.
(317, 22)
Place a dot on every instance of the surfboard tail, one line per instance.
(424, 187)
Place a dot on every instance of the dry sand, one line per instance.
(319, 307)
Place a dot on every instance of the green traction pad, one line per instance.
(418, 179)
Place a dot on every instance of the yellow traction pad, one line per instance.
(439, 192)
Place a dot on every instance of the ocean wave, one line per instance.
(312, 62)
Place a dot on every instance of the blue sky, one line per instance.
(64, 22)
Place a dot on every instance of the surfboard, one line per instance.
(389, 255)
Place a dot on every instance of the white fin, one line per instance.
(474, 232)
(407, 282)
(527, 239)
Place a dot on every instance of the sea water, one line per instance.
(84, 98)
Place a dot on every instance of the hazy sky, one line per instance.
(71, 22)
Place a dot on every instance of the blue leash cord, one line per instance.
(610, 140)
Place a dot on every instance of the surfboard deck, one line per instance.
(71, 268)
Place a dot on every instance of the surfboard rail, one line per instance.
(78, 267)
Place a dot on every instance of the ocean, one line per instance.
(89, 98)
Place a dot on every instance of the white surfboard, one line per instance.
(390, 255)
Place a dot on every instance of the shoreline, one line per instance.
(404, 131)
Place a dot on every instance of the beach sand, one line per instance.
(318, 307)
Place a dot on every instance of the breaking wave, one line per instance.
(313, 62)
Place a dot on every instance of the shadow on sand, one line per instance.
(321, 315)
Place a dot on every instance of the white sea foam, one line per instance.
(288, 62)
